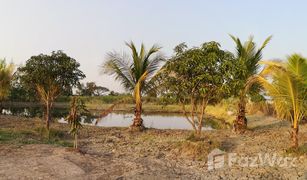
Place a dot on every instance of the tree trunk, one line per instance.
(137, 121)
(47, 115)
(187, 117)
(198, 132)
(76, 141)
(294, 137)
(240, 124)
(201, 116)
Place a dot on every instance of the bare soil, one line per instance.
(116, 153)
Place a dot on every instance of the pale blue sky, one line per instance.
(87, 29)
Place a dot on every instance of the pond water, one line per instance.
(115, 119)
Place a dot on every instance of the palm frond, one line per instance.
(129, 71)
(285, 88)
(266, 42)
(118, 66)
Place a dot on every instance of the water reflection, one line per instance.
(159, 121)
(32, 111)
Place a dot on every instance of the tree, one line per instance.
(6, 75)
(113, 93)
(135, 73)
(50, 75)
(247, 58)
(286, 84)
(20, 93)
(91, 89)
(77, 111)
(197, 76)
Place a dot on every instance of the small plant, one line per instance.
(77, 111)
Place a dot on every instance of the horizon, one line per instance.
(87, 31)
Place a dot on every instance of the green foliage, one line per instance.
(198, 72)
(6, 74)
(19, 93)
(108, 99)
(47, 71)
(130, 70)
(286, 83)
(247, 62)
(77, 112)
(199, 76)
(247, 58)
(135, 73)
(91, 89)
(49, 76)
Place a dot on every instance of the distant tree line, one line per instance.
(91, 89)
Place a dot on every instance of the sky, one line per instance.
(88, 29)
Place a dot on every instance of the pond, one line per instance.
(114, 119)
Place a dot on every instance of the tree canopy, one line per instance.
(198, 76)
(91, 89)
(57, 69)
(199, 71)
(49, 76)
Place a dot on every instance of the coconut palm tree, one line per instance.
(286, 83)
(6, 74)
(135, 73)
(247, 56)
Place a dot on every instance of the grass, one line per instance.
(195, 148)
(301, 150)
(35, 136)
(182, 144)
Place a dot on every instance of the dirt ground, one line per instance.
(116, 153)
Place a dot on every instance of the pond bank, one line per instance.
(150, 108)
(121, 116)
(112, 153)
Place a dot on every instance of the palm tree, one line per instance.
(135, 73)
(247, 56)
(286, 83)
(6, 74)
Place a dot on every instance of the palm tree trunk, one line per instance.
(294, 137)
(294, 134)
(240, 124)
(138, 121)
